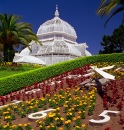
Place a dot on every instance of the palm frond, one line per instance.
(15, 32)
(102, 10)
(105, 9)
(103, 1)
(21, 25)
(114, 13)
(14, 19)
(111, 6)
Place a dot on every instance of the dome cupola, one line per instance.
(57, 27)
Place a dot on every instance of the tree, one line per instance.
(114, 43)
(13, 32)
(111, 6)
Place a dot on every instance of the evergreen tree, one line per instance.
(114, 43)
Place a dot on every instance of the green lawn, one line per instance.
(4, 73)
(8, 70)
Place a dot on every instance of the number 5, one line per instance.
(105, 118)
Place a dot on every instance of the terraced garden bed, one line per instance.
(73, 106)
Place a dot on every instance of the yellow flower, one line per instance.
(78, 117)
(74, 119)
(91, 97)
(19, 124)
(65, 106)
(8, 117)
(44, 118)
(15, 106)
(48, 126)
(61, 129)
(5, 117)
(5, 113)
(54, 94)
(13, 126)
(56, 118)
(22, 112)
(62, 119)
(32, 104)
(40, 126)
(27, 102)
(8, 109)
(54, 114)
(79, 112)
(50, 115)
(25, 125)
(67, 122)
(8, 124)
(77, 126)
(69, 113)
(83, 125)
(53, 100)
(48, 95)
(80, 104)
(58, 108)
(37, 121)
(42, 98)
(66, 101)
(4, 126)
(52, 125)
(72, 108)
(81, 91)
(31, 107)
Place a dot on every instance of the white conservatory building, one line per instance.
(58, 43)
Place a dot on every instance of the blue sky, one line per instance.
(81, 14)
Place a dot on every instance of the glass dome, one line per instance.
(56, 25)
(59, 47)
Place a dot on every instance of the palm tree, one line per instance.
(107, 6)
(13, 32)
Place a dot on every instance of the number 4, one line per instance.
(105, 118)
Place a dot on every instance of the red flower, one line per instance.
(2, 99)
(108, 128)
(38, 94)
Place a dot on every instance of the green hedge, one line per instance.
(115, 57)
(18, 81)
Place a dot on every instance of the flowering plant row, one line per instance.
(46, 85)
(74, 104)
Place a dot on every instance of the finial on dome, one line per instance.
(56, 12)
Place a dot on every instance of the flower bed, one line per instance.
(73, 107)
(70, 107)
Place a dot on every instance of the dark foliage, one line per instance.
(114, 43)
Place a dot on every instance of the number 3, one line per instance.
(105, 117)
